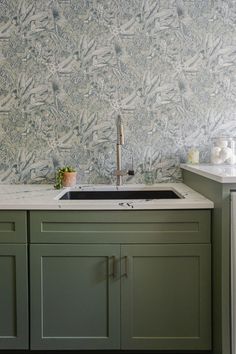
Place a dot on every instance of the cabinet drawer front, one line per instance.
(177, 226)
(13, 227)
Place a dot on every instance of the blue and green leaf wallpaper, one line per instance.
(69, 67)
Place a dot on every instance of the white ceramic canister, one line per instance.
(223, 151)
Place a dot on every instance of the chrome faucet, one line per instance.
(120, 142)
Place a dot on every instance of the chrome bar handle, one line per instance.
(114, 267)
(126, 266)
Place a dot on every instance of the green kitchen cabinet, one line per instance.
(121, 280)
(13, 296)
(13, 280)
(219, 193)
(75, 296)
(165, 297)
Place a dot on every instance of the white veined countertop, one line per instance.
(45, 197)
(218, 173)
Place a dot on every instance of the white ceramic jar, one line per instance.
(223, 151)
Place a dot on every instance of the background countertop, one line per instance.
(218, 173)
(45, 197)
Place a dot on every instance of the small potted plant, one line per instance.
(65, 177)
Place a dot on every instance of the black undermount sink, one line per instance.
(125, 194)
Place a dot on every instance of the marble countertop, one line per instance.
(218, 173)
(45, 197)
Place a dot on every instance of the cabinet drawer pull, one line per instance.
(126, 266)
(114, 267)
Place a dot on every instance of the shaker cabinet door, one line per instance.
(13, 297)
(75, 296)
(166, 297)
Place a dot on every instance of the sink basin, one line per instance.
(124, 194)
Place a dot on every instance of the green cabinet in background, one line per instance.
(14, 319)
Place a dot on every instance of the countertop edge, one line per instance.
(199, 169)
(209, 205)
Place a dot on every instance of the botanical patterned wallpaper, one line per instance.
(69, 67)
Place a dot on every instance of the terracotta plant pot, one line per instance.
(69, 179)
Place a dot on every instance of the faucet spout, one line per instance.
(120, 141)
(120, 131)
